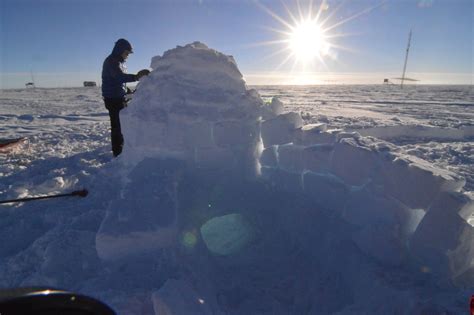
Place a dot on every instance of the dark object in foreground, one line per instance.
(40, 301)
(8, 145)
(79, 193)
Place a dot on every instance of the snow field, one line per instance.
(342, 223)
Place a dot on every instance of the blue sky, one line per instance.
(63, 42)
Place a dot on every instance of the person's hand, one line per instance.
(142, 73)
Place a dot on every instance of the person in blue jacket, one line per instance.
(114, 88)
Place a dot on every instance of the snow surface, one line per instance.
(326, 253)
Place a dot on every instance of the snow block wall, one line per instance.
(404, 208)
(194, 107)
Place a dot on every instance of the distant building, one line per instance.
(89, 83)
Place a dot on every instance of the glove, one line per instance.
(142, 73)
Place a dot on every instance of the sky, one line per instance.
(61, 43)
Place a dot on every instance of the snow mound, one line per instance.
(194, 105)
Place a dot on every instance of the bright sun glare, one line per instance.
(307, 41)
(307, 37)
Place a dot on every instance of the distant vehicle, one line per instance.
(30, 84)
(89, 83)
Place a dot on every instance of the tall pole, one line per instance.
(406, 59)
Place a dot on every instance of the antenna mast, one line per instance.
(406, 59)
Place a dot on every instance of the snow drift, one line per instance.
(194, 113)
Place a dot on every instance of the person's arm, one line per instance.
(116, 72)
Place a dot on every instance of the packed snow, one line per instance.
(229, 199)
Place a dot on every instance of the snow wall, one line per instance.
(195, 111)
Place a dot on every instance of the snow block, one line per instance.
(457, 202)
(414, 181)
(235, 133)
(199, 135)
(326, 189)
(443, 242)
(177, 297)
(139, 138)
(280, 130)
(315, 134)
(282, 180)
(353, 162)
(347, 134)
(176, 133)
(317, 157)
(276, 106)
(381, 233)
(269, 156)
(290, 158)
(144, 218)
(216, 158)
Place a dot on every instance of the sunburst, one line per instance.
(307, 37)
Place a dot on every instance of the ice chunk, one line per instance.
(276, 106)
(269, 156)
(235, 133)
(199, 134)
(318, 127)
(177, 297)
(443, 242)
(414, 181)
(144, 218)
(283, 180)
(215, 158)
(353, 162)
(317, 157)
(227, 234)
(326, 189)
(315, 134)
(291, 158)
(347, 134)
(281, 129)
(381, 233)
(457, 202)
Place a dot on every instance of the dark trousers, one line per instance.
(114, 106)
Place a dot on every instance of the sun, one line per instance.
(307, 41)
(309, 36)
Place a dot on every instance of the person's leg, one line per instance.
(114, 107)
(116, 135)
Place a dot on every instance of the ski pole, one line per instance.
(79, 193)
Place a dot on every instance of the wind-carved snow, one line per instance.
(331, 220)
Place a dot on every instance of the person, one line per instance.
(114, 89)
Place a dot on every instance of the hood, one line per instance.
(120, 46)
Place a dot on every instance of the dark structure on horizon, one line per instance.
(89, 83)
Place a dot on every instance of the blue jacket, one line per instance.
(114, 76)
